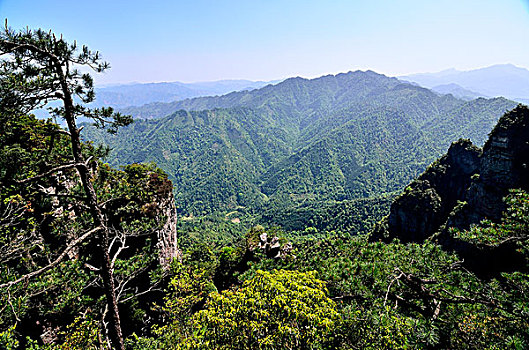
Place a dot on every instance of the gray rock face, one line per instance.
(167, 235)
(503, 166)
(463, 187)
(415, 214)
(426, 203)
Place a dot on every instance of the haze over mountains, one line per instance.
(137, 94)
(289, 149)
(504, 80)
(457, 91)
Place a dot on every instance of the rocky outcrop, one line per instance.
(503, 166)
(272, 246)
(463, 187)
(167, 235)
(427, 202)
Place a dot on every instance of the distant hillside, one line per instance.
(300, 143)
(504, 80)
(125, 95)
(457, 91)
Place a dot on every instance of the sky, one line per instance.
(206, 40)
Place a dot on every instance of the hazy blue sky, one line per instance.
(201, 40)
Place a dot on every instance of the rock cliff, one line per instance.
(167, 235)
(427, 202)
(464, 186)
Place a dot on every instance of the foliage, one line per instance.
(67, 217)
(216, 230)
(514, 228)
(8, 339)
(355, 216)
(34, 228)
(327, 153)
(83, 333)
(417, 295)
(44, 68)
(278, 309)
(188, 289)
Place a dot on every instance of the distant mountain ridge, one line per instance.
(457, 91)
(137, 94)
(504, 80)
(300, 144)
(298, 95)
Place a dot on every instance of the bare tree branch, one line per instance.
(48, 173)
(54, 263)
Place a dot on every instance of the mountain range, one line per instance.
(137, 94)
(299, 145)
(504, 80)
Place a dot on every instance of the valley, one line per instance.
(337, 200)
(286, 150)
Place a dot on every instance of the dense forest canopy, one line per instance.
(90, 259)
(286, 150)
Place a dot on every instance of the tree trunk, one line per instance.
(107, 274)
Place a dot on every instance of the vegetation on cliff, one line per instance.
(78, 237)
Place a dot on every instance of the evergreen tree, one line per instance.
(37, 67)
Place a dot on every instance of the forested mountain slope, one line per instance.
(92, 257)
(330, 139)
